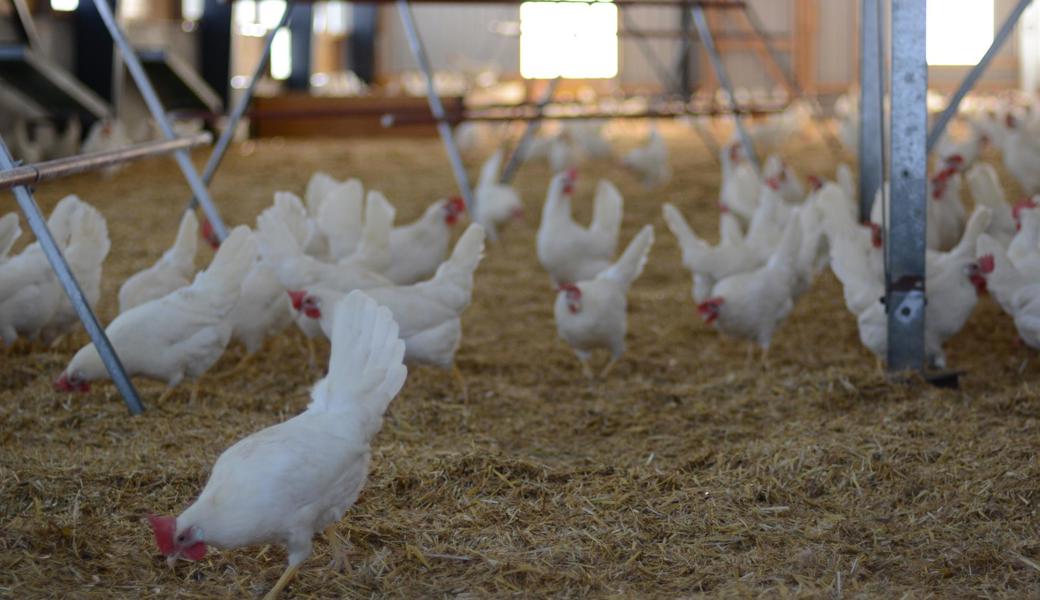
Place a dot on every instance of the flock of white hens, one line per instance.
(334, 264)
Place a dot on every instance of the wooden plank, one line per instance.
(302, 115)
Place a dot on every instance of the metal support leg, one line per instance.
(198, 188)
(704, 31)
(871, 117)
(685, 54)
(241, 105)
(906, 239)
(976, 72)
(436, 107)
(517, 158)
(72, 289)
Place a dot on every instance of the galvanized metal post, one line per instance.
(436, 107)
(871, 106)
(906, 237)
(517, 158)
(685, 53)
(976, 72)
(198, 188)
(704, 31)
(72, 289)
(241, 105)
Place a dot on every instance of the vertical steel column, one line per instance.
(976, 72)
(906, 237)
(517, 157)
(361, 44)
(871, 103)
(72, 289)
(198, 188)
(704, 31)
(214, 60)
(436, 107)
(93, 52)
(241, 105)
(685, 52)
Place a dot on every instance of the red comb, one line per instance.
(297, 297)
(815, 182)
(987, 264)
(163, 528)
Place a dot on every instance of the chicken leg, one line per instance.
(166, 394)
(337, 548)
(283, 581)
(238, 368)
(610, 366)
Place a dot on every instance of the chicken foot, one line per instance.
(457, 375)
(283, 581)
(610, 366)
(337, 548)
(240, 366)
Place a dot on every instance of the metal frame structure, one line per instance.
(975, 73)
(906, 237)
(155, 107)
(18, 179)
(871, 105)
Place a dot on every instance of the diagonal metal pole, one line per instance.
(871, 108)
(976, 72)
(241, 105)
(436, 107)
(198, 188)
(668, 81)
(72, 289)
(517, 157)
(700, 21)
(906, 236)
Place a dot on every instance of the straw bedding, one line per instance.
(687, 472)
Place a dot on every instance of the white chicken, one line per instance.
(87, 249)
(417, 249)
(429, 313)
(262, 310)
(29, 290)
(172, 271)
(986, 190)
(1017, 294)
(497, 203)
(751, 305)
(339, 219)
(105, 135)
(592, 314)
(946, 212)
(953, 283)
(568, 251)
(1022, 153)
(708, 264)
(286, 483)
(9, 234)
(1024, 249)
(782, 177)
(179, 335)
(741, 185)
(650, 161)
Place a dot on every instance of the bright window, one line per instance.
(959, 31)
(281, 54)
(65, 5)
(573, 40)
(191, 10)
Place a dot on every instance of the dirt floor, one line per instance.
(687, 472)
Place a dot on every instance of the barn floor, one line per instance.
(687, 472)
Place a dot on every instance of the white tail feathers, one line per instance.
(181, 256)
(846, 181)
(453, 282)
(977, 225)
(489, 170)
(985, 186)
(319, 188)
(606, 213)
(786, 253)
(366, 367)
(277, 242)
(630, 265)
(679, 227)
(373, 254)
(222, 280)
(293, 214)
(88, 242)
(9, 233)
(339, 218)
(61, 219)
